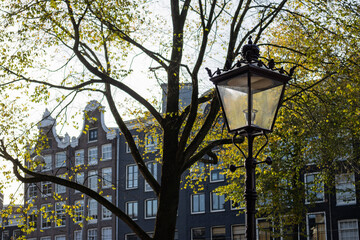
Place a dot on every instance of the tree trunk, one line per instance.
(170, 188)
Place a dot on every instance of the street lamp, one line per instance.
(250, 94)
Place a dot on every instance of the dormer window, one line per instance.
(93, 135)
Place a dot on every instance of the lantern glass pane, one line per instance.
(266, 95)
(234, 99)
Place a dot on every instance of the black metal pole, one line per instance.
(250, 190)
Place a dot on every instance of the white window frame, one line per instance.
(152, 166)
(135, 209)
(106, 174)
(307, 223)
(32, 190)
(134, 179)
(59, 189)
(92, 157)
(46, 189)
(79, 157)
(45, 238)
(342, 230)
(320, 187)
(16, 233)
(90, 133)
(60, 237)
(93, 180)
(106, 214)
(60, 159)
(93, 211)
(47, 162)
(345, 182)
(151, 142)
(78, 235)
(93, 236)
(32, 221)
(60, 213)
(219, 198)
(200, 198)
(104, 235)
(79, 179)
(79, 210)
(47, 211)
(106, 152)
(153, 209)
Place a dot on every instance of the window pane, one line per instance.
(106, 152)
(93, 156)
(316, 226)
(93, 135)
(79, 157)
(131, 176)
(60, 159)
(218, 233)
(198, 233)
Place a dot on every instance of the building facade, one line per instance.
(100, 159)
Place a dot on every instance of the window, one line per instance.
(106, 233)
(78, 235)
(106, 213)
(198, 234)
(79, 157)
(136, 140)
(60, 214)
(45, 238)
(93, 210)
(60, 188)
(93, 135)
(238, 232)
(16, 233)
(92, 234)
(60, 159)
(92, 180)
(106, 152)
(131, 236)
(32, 218)
(150, 208)
(132, 209)
(48, 163)
(215, 174)
(93, 156)
(79, 210)
(131, 176)
(79, 178)
(106, 178)
(345, 189)
(32, 190)
(152, 166)
(263, 229)
(46, 189)
(45, 216)
(316, 228)
(314, 188)
(217, 202)
(5, 235)
(198, 203)
(150, 142)
(62, 237)
(348, 229)
(218, 233)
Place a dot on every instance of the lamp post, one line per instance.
(250, 94)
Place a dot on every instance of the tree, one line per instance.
(84, 46)
(318, 126)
